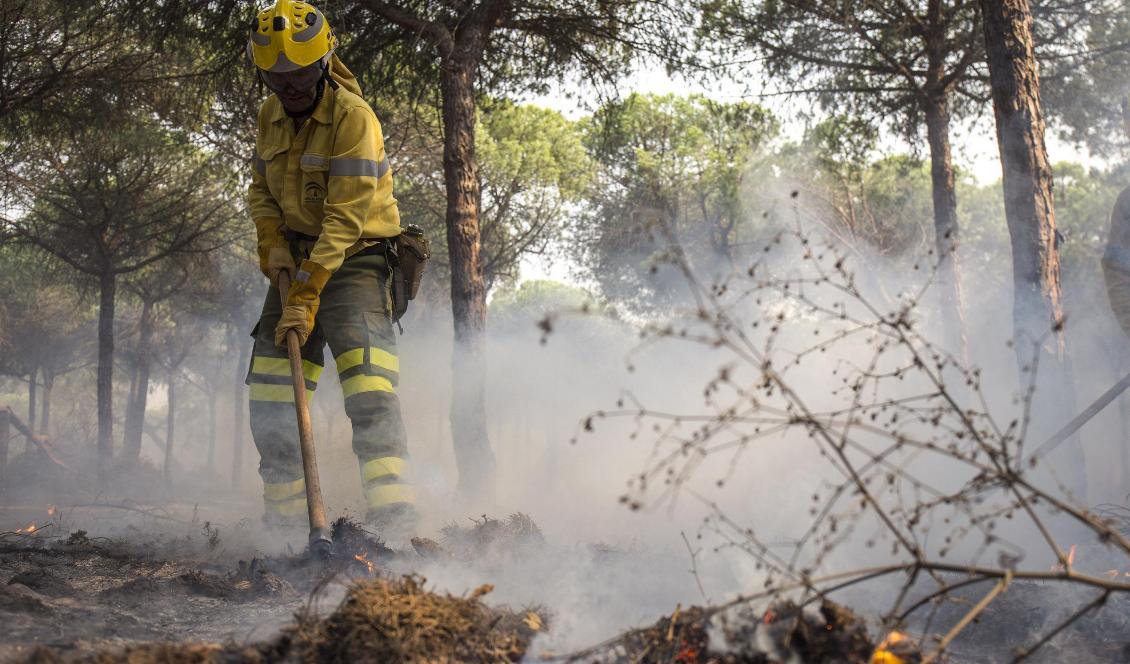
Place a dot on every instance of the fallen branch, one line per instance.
(41, 442)
(26, 532)
(969, 617)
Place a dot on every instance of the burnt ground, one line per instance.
(78, 599)
(165, 576)
(84, 597)
(77, 592)
(169, 577)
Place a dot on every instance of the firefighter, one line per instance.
(1116, 259)
(322, 203)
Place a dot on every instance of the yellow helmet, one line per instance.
(291, 35)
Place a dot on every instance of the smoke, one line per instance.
(619, 554)
(575, 491)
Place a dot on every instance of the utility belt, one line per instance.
(405, 256)
(302, 244)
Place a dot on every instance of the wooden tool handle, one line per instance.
(314, 504)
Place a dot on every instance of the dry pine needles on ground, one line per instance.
(399, 620)
(380, 620)
(785, 633)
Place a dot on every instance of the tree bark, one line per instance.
(107, 290)
(211, 432)
(131, 394)
(139, 393)
(32, 396)
(1030, 213)
(170, 422)
(944, 190)
(473, 454)
(1029, 207)
(5, 436)
(45, 408)
(936, 97)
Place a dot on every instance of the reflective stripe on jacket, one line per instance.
(331, 179)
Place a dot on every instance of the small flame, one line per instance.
(884, 653)
(52, 511)
(28, 529)
(368, 563)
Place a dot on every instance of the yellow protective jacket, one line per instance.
(1116, 261)
(331, 179)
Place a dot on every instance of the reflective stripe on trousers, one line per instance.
(271, 380)
(356, 381)
(285, 500)
(382, 482)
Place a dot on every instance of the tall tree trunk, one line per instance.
(473, 453)
(139, 393)
(131, 394)
(936, 106)
(1030, 213)
(211, 432)
(107, 290)
(170, 422)
(45, 408)
(5, 436)
(32, 397)
(944, 189)
(240, 405)
(1029, 206)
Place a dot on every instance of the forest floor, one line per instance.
(188, 593)
(154, 580)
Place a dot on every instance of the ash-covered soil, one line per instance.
(76, 596)
(167, 586)
(78, 593)
(184, 592)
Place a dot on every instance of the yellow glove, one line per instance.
(297, 318)
(278, 259)
(302, 302)
(274, 250)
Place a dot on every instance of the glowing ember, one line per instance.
(884, 653)
(28, 529)
(51, 511)
(368, 564)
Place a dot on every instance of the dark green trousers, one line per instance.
(354, 318)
